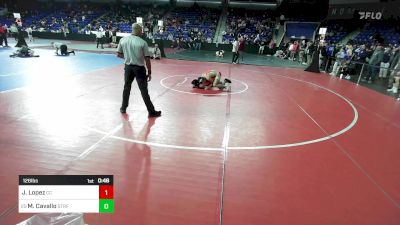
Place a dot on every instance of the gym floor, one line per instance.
(284, 147)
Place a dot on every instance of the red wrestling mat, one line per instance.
(284, 147)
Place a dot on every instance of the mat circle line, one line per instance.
(351, 125)
(192, 93)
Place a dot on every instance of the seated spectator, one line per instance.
(175, 43)
(156, 52)
(280, 54)
(220, 53)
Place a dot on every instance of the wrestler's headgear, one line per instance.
(195, 83)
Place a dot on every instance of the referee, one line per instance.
(135, 52)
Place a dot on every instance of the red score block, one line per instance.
(106, 192)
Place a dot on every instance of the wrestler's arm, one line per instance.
(217, 80)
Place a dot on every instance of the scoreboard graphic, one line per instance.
(66, 194)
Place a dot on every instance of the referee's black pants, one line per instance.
(132, 71)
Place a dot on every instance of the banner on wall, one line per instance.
(367, 11)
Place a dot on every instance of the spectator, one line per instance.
(175, 43)
(114, 35)
(394, 67)
(220, 53)
(14, 31)
(99, 38)
(396, 84)
(293, 48)
(156, 52)
(271, 47)
(197, 43)
(360, 55)
(374, 63)
(311, 48)
(323, 55)
(261, 48)
(29, 31)
(3, 35)
(339, 63)
(242, 46)
(235, 49)
(302, 50)
(385, 63)
(331, 52)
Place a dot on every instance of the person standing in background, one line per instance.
(14, 31)
(374, 64)
(261, 48)
(3, 35)
(114, 35)
(235, 46)
(29, 31)
(242, 46)
(99, 38)
(387, 54)
(392, 68)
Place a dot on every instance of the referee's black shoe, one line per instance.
(122, 110)
(155, 114)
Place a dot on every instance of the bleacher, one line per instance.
(56, 20)
(52, 21)
(180, 23)
(301, 29)
(123, 17)
(184, 22)
(383, 28)
(28, 18)
(336, 31)
(255, 23)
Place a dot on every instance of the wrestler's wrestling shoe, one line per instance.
(227, 87)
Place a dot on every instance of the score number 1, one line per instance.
(106, 201)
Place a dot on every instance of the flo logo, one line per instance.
(370, 15)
